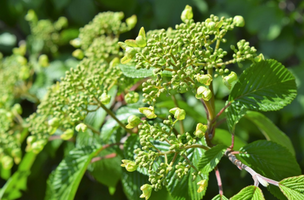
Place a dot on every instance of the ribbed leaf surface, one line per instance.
(249, 193)
(64, 181)
(271, 160)
(211, 158)
(293, 187)
(219, 197)
(265, 86)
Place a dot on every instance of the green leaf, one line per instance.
(132, 72)
(265, 86)
(17, 182)
(223, 136)
(270, 130)
(219, 197)
(185, 188)
(64, 181)
(131, 182)
(249, 193)
(271, 160)
(107, 170)
(293, 187)
(211, 158)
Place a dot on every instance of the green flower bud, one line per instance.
(105, 98)
(60, 23)
(187, 13)
(21, 60)
(76, 42)
(81, 127)
(17, 108)
(211, 25)
(205, 79)
(7, 162)
(148, 112)
(147, 190)
(203, 93)
(239, 21)
(21, 50)
(129, 165)
(131, 21)
(38, 146)
(31, 16)
(178, 113)
(141, 40)
(31, 139)
(16, 153)
(78, 54)
(202, 185)
(68, 134)
(200, 130)
(24, 72)
(230, 80)
(54, 122)
(132, 97)
(133, 121)
(259, 58)
(43, 60)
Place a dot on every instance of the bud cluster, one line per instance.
(45, 35)
(179, 57)
(85, 88)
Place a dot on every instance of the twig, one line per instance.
(219, 180)
(258, 178)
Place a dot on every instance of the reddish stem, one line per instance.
(219, 180)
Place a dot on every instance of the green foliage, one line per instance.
(143, 118)
(258, 91)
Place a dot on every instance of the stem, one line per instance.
(113, 115)
(255, 176)
(197, 146)
(92, 129)
(219, 180)
(181, 124)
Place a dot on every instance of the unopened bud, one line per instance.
(205, 79)
(178, 113)
(105, 98)
(129, 165)
(131, 21)
(200, 130)
(239, 21)
(187, 13)
(81, 127)
(230, 80)
(141, 40)
(148, 112)
(7, 162)
(203, 93)
(76, 42)
(147, 190)
(132, 97)
(43, 60)
(78, 54)
(54, 122)
(133, 121)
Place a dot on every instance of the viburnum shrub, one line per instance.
(148, 115)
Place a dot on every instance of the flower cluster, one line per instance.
(84, 89)
(45, 35)
(178, 55)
